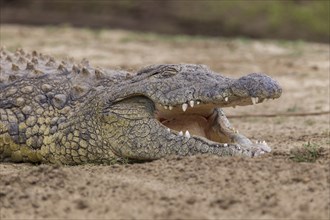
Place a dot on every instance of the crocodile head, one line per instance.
(178, 109)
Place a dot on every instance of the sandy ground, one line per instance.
(200, 187)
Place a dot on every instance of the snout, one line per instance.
(256, 85)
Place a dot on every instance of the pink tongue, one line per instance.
(195, 124)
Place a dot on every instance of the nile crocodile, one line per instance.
(67, 113)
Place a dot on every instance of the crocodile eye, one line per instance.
(166, 73)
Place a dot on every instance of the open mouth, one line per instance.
(189, 120)
(206, 121)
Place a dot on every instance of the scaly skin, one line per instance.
(66, 113)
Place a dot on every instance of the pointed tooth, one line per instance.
(226, 99)
(168, 129)
(198, 102)
(170, 107)
(191, 103)
(264, 142)
(180, 133)
(257, 99)
(184, 107)
(225, 145)
(187, 134)
(165, 106)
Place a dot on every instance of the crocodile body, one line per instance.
(66, 113)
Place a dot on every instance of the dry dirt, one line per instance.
(200, 187)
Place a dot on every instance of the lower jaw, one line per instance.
(196, 124)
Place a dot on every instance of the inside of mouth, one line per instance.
(198, 121)
(207, 121)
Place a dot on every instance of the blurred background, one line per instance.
(290, 19)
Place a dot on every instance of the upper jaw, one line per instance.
(247, 90)
(204, 108)
(189, 88)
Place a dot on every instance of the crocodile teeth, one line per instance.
(170, 107)
(191, 103)
(180, 133)
(254, 100)
(225, 145)
(198, 102)
(165, 106)
(187, 134)
(261, 142)
(184, 107)
(226, 99)
(168, 129)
